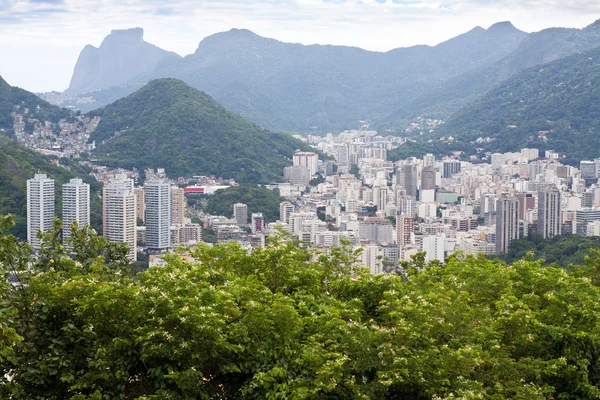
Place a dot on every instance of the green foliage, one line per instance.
(282, 322)
(564, 250)
(209, 235)
(170, 125)
(18, 164)
(554, 106)
(12, 96)
(257, 198)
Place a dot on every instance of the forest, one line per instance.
(286, 322)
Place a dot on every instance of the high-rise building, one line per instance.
(549, 218)
(240, 213)
(406, 178)
(507, 221)
(526, 203)
(428, 160)
(380, 197)
(76, 206)
(451, 167)
(307, 159)
(428, 178)
(119, 205)
(404, 229)
(434, 246)
(40, 207)
(177, 206)
(286, 209)
(258, 223)
(158, 215)
(140, 203)
(588, 169)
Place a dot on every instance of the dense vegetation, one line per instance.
(18, 164)
(257, 198)
(553, 106)
(563, 250)
(282, 322)
(170, 125)
(12, 96)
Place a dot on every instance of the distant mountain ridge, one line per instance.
(536, 48)
(292, 87)
(551, 106)
(122, 56)
(167, 124)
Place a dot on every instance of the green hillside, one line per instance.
(18, 164)
(12, 96)
(442, 100)
(553, 106)
(171, 125)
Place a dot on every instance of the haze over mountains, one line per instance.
(292, 87)
(122, 55)
(467, 81)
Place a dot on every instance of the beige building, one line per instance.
(177, 206)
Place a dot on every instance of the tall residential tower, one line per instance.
(40, 207)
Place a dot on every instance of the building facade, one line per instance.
(76, 206)
(40, 207)
(158, 215)
(119, 219)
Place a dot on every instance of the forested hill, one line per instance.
(552, 106)
(12, 96)
(18, 164)
(537, 48)
(170, 125)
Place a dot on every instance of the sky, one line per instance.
(40, 40)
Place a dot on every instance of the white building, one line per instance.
(307, 159)
(76, 206)
(40, 207)
(119, 206)
(434, 247)
(158, 215)
(286, 209)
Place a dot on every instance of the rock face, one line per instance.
(122, 56)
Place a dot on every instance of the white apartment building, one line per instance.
(119, 205)
(76, 206)
(40, 207)
(158, 215)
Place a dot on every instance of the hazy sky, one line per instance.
(41, 39)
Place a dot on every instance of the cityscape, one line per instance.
(299, 199)
(389, 210)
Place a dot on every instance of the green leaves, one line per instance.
(282, 322)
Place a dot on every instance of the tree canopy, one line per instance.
(286, 322)
(257, 198)
(167, 124)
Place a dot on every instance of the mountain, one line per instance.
(551, 106)
(167, 124)
(536, 48)
(292, 87)
(11, 97)
(17, 164)
(122, 55)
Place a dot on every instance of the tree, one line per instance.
(290, 322)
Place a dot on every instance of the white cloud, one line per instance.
(40, 41)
